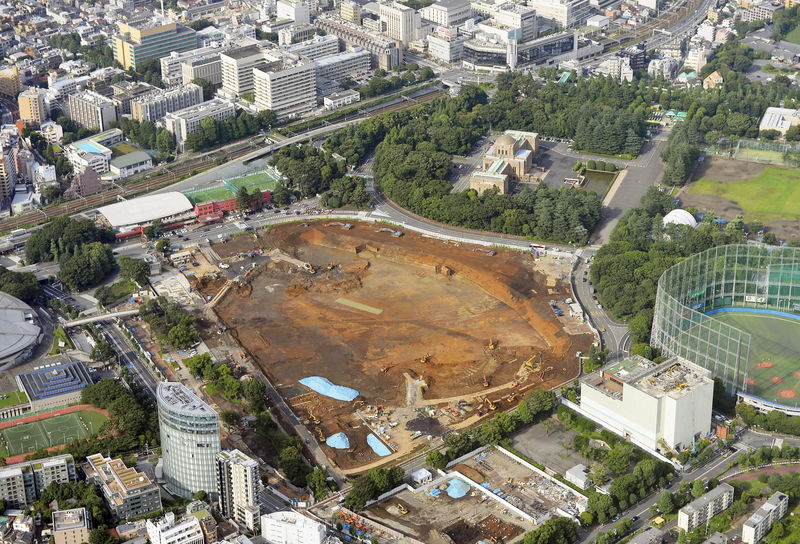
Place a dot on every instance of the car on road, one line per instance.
(635, 518)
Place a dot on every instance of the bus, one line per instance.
(16, 233)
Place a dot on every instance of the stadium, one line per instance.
(735, 310)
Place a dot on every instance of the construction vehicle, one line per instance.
(680, 386)
(331, 266)
(395, 233)
(491, 345)
(425, 359)
(345, 226)
(489, 252)
(319, 434)
(385, 368)
(314, 419)
(358, 403)
(402, 509)
(492, 406)
(485, 381)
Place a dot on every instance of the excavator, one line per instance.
(492, 345)
(314, 419)
(319, 434)
(425, 359)
(402, 509)
(492, 406)
(534, 367)
(485, 381)
(385, 368)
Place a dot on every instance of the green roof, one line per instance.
(13, 398)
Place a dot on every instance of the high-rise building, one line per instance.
(762, 520)
(287, 86)
(31, 105)
(189, 440)
(9, 81)
(9, 146)
(385, 53)
(71, 526)
(21, 484)
(183, 122)
(237, 69)
(148, 40)
(295, 10)
(92, 110)
(350, 11)
(334, 69)
(291, 528)
(128, 492)
(155, 105)
(167, 530)
(171, 65)
(317, 47)
(207, 67)
(399, 21)
(448, 13)
(238, 486)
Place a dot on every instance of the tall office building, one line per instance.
(155, 105)
(317, 47)
(295, 10)
(189, 440)
(448, 13)
(9, 80)
(565, 13)
(31, 105)
(237, 69)
(238, 485)
(183, 122)
(350, 11)
(9, 147)
(334, 69)
(399, 21)
(92, 110)
(152, 39)
(22, 484)
(287, 86)
(385, 53)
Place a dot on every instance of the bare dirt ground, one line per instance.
(724, 169)
(375, 307)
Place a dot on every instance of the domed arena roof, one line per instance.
(505, 139)
(680, 217)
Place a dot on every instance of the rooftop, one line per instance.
(115, 474)
(145, 208)
(244, 52)
(237, 457)
(705, 500)
(178, 398)
(130, 158)
(66, 520)
(763, 513)
(54, 380)
(674, 377)
(18, 329)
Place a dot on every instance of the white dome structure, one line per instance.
(679, 217)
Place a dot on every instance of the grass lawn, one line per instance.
(121, 289)
(759, 155)
(122, 149)
(774, 194)
(794, 35)
(10, 399)
(210, 195)
(61, 335)
(28, 437)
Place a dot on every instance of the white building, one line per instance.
(168, 531)
(696, 58)
(317, 47)
(385, 53)
(92, 110)
(599, 21)
(337, 68)
(155, 105)
(236, 67)
(649, 403)
(447, 13)
(187, 121)
(190, 441)
(294, 10)
(579, 475)
(520, 18)
(667, 67)
(565, 13)
(344, 98)
(130, 164)
(706, 507)
(44, 175)
(762, 11)
(759, 523)
(287, 86)
(399, 21)
(444, 48)
(291, 528)
(51, 132)
(238, 484)
(780, 119)
(617, 68)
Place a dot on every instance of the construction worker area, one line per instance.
(396, 336)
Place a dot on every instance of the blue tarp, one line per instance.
(378, 446)
(323, 386)
(338, 441)
(457, 488)
(434, 492)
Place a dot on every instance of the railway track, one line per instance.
(166, 178)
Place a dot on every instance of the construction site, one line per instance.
(379, 339)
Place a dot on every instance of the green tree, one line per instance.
(665, 504)
(103, 351)
(317, 481)
(135, 270)
(165, 141)
(103, 393)
(230, 418)
(435, 459)
(698, 489)
(553, 531)
(163, 246)
(182, 336)
(281, 195)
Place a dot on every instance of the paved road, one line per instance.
(129, 359)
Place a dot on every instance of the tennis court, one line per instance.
(62, 429)
(774, 367)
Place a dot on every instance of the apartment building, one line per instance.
(385, 53)
(71, 526)
(22, 483)
(128, 492)
(291, 527)
(92, 110)
(709, 505)
(9, 81)
(167, 530)
(125, 91)
(207, 67)
(293, 10)
(317, 47)
(183, 122)
(447, 13)
(172, 64)
(287, 86)
(238, 484)
(237, 69)
(565, 13)
(350, 11)
(334, 69)
(155, 105)
(399, 22)
(760, 523)
(8, 166)
(150, 39)
(32, 108)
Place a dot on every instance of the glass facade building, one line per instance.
(190, 440)
(750, 278)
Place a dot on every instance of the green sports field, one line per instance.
(771, 195)
(264, 180)
(774, 366)
(28, 437)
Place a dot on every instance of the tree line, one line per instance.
(214, 132)
(22, 285)
(170, 323)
